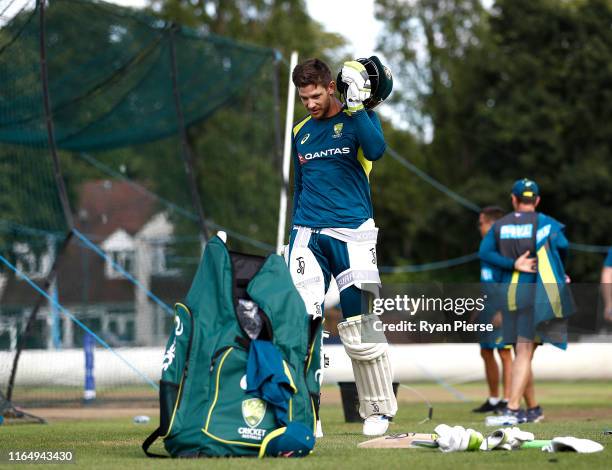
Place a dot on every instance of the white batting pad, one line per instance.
(372, 370)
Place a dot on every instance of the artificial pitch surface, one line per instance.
(582, 409)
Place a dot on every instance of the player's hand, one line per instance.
(355, 75)
(525, 264)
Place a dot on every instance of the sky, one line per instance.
(353, 19)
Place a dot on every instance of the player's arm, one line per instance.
(562, 245)
(370, 134)
(489, 254)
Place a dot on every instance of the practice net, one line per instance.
(132, 99)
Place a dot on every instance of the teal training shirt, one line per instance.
(332, 160)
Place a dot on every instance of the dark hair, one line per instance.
(311, 72)
(492, 212)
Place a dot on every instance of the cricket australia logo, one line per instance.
(253, 412)
(338, 130)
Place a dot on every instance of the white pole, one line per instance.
(282, 210)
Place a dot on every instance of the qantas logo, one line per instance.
(323, 153)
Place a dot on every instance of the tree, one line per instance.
(520, 90)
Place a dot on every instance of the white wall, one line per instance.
(454, 363)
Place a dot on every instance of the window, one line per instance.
(161, 254)
(119, 248)
(124, 259)
(33, 265)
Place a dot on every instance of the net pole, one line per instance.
(186, 153)
(61, 188)
(57, 170)
(282, 210)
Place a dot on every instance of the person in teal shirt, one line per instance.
(490, 277)
(529, 249)
(333, 231)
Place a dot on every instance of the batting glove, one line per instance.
(355, 75)
(507, 439)
(457, 438)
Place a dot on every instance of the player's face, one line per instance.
(484, 225)
(317, 99)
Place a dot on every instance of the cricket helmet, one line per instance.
(381, 82)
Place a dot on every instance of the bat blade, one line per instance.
(406, 440)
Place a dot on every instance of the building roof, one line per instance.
(106, 206)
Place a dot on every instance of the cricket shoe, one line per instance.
(535, 414)
(375, 425)
(488, 407)
(501, 407)
(507, 418)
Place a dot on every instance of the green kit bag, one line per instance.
(234, 298)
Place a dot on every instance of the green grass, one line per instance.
(578, 409)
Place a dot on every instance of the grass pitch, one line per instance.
(578, 409)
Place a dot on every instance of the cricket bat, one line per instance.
(405, 440)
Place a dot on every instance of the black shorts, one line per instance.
(518, 326)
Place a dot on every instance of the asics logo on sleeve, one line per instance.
(323, 153)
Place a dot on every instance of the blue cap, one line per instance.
(525, 188)
(296, 440)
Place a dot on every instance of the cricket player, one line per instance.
(529, 248)
(333, 228)
(494, 341)
(606, 286)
